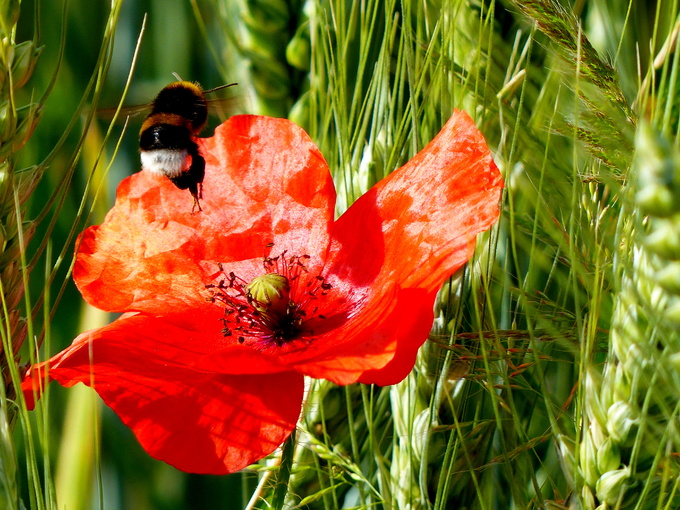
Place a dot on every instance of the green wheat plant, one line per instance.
(36, 250)
(551, 376)
(18, 60)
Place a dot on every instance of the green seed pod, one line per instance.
(625, 333)
(269, 294)
(266, 15)
(8, 124)
(608, 456)
(588, 459)
(621, 387)
(270, 79)
(664, 238)
(668, 277)
(640, 361)
(299, 113)
(421, 434)
(26, 182)
(25, 59)
(262, 45)
(622, 423)
(299, 49)
(11, 253)
(674, 362)
(595, 408)
(672, 310)
(659, 182)
(656, 200)
(587, 497)
(611, 485)
(9, 15)
(28, 117)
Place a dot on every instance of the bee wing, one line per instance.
(222, 107)
(123, 112)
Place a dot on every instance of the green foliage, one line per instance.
(552, 368)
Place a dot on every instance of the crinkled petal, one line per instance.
(419, 224)
(412, 230)
(265, 182)
(385, 341)
(197, 420)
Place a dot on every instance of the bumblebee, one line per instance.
(167, 139)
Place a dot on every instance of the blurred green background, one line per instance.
(372, 82)
(171, 43)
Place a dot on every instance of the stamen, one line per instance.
(274, 308)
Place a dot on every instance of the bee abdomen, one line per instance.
(164, 136)
(167, 162)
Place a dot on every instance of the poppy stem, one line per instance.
(281, 487)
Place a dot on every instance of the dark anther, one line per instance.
(263, 322)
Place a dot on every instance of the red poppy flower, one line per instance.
(226, 309)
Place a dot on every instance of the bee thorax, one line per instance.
(168, 162)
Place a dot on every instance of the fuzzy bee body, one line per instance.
(167, 139)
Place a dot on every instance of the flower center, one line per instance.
(275, 308)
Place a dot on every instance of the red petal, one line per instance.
(388, 335)
(418, 225)
(265, 181)
(194, 419)
(411, 231)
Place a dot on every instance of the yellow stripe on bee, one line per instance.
(165, 118)
(195, 87)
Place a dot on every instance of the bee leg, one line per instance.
(198, 195)
(192, 179)
(197, 204)
(196, 172)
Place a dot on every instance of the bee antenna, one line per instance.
(219, 88)
(177, 76)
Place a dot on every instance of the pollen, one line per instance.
(274, 309)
